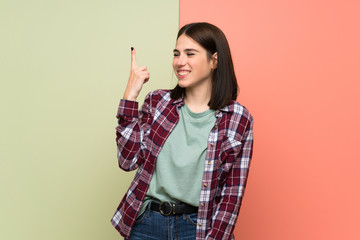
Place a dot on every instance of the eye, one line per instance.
(190, 54)
(176, 54)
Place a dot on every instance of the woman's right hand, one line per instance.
(138, 76)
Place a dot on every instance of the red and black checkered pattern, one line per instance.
(140, 137)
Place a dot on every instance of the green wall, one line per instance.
(63, 68)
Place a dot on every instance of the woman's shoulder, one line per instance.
(239, 120)
(161, 92)
(238, 110)
(159, 95)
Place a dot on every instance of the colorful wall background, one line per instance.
(298, 67)
(63, 69)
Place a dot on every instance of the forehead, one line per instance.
(185, 42)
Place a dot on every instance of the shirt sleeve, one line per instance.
(227, 210)
(131, 133)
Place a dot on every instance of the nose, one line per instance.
(181, 60)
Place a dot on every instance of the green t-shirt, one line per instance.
(180, 164)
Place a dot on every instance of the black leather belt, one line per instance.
(167, 208)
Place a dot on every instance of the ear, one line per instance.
(214, 60)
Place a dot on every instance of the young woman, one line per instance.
(192, 145)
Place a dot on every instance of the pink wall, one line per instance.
(298, 66)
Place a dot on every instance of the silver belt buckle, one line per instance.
(162, 208)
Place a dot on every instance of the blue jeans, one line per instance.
(153, 226)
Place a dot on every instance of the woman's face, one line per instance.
(191, 64)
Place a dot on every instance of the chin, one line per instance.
(182, 84)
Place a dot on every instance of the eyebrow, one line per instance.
(187, 50)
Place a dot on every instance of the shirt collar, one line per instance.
(178, 102)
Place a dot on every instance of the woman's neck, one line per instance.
(197, 99)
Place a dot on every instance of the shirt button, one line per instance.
(202, 204)
(205, 185)
(199, 224)
(209, 162)
(216, 126)
(212, 144)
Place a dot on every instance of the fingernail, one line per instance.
(132, 48)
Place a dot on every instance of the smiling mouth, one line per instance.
(183, 73)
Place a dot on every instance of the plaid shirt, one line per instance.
(140, 137)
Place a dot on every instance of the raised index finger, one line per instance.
(133, 58)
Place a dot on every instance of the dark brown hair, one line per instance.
(224, 84)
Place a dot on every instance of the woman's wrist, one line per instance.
(129, 96)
